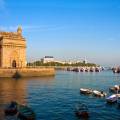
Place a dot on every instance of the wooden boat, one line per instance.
(85, 91)
(81, 111)
(25, 113)
(11, 109)
(99, 93)
(112, 99)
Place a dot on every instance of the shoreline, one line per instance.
(26, 72)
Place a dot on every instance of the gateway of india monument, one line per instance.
(13, 56)
(12, 49)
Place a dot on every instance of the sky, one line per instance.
(66, 29)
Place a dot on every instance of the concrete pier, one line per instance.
(27, 72)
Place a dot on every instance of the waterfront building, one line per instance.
(12, 49)
(47, 59)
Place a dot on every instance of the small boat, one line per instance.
(86, 70)
(82, 70)
(115, 89)
(112, 99)
(25, 113)
(81, 111)
(11, 109)
(97, 69)
(99, 93)
(91, 69)
(85, 91)
(76, 69)
(116, 70)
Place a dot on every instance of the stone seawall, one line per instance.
(27, 72)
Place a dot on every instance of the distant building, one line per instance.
(47, 59)
(12, 49)
(85, 61)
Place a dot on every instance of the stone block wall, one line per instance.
(27, 72)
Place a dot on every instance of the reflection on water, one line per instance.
(16, 90)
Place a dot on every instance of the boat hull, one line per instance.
(25, 113)
(82, 114)
(10, 112)
(85, 91)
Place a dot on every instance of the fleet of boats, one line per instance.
(85, 69)
(93, 92)
(82, 110)
(22, 112)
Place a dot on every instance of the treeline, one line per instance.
(39, 63)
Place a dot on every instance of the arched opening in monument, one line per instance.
(14, 63)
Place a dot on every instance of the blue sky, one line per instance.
(66, 29)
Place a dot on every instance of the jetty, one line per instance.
(27, 72)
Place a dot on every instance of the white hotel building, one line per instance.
(47, 59)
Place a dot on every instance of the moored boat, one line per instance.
(82, 70)
(86, 70)
(81, 111)
(85, 91)
(91, 69)
(112, 99)
(25, 113)
(99, 93)
(97, 69)
(11, 109)
(116, 70)
(115, 89)
(76, 69)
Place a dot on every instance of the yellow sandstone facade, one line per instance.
(12, 49)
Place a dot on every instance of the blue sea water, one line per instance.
(54, 98)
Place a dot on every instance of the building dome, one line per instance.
(19, 30)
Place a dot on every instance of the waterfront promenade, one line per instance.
(27, 72)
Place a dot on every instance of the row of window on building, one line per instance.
(48, 59)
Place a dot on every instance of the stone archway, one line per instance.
(14, 65)
(14, 61)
